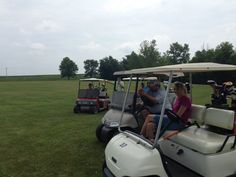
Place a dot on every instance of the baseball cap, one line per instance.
(155, 82)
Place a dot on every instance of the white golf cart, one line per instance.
(194, 151)
(111, 120)
(93, 99)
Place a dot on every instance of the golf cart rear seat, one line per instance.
(117, 100)
(197, 114)
(205, 141)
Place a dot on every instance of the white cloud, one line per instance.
(48, 26)
(163, 41)
(46, 31)
(125, 6)
(90, 46)
(128, 46)
(37, 46)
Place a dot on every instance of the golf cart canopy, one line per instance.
(143, 71)
(140, 78)
(181, 68)
(94, 79)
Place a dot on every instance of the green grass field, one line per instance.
(41, 137)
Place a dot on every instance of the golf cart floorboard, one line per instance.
(177, 170)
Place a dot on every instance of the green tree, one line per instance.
(108, 66)
(225, 53)
(178, 53)
(165, 60)
(149, 53)
(132, 61)
(68, 68)
(90, 67)
(203, 56)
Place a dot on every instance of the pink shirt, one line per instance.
(186, 102)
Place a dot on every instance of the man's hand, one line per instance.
(141, 92)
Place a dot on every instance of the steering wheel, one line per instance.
(172, 115)
(147, 102)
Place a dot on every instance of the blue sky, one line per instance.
(35, 35)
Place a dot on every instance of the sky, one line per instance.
(35, 35)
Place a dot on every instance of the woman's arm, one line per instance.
(181, 110)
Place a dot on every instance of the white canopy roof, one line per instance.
(181, 68)
(96, 80)
(143, 71)
(140, 78)
(92, 79)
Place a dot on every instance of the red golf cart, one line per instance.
(94, 98)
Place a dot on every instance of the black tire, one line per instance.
(95, 111)
(76, 109)
(99, 131)
(110, 135)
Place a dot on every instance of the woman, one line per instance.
(181, 107)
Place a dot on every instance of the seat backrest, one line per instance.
(118, 99)
(172, 98)
(197, 113)
(220, 118)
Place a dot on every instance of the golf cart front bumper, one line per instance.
(106, 172)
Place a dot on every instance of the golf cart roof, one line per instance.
(95, 80)
(143, 72)
(183, 68)
(140, 78)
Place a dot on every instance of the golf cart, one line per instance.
(94, 98)
(111, 120)
(197, 150)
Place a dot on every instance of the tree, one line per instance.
(223, 53)
(90, 67)
(68, 68)
(108, 66)
(178, 54)
(203, 56)
(164, 60)
(149, 53)
(132, 61)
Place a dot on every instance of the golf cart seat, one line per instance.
(204, 140)
(103, 94)
(197, 114)
(117, 100)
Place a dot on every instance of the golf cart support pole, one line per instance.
(79, 88)
(135, 96)
(191, 86)
(124, 103)
(163, 110)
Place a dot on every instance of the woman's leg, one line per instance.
(150, 130)
(148, 119)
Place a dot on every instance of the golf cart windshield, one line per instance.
(89, 93)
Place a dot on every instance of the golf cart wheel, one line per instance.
(95, 111)
(76, 109)
(99, 132)
(109, 135)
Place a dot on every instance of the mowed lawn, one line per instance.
(41, 137)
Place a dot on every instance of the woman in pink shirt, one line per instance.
(181, 107)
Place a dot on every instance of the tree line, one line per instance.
(149, 55)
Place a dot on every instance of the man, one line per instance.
(90, 86)
(154, 98)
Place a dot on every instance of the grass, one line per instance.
(37, 78)
(41, 137)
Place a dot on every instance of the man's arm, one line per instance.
(151, 98)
